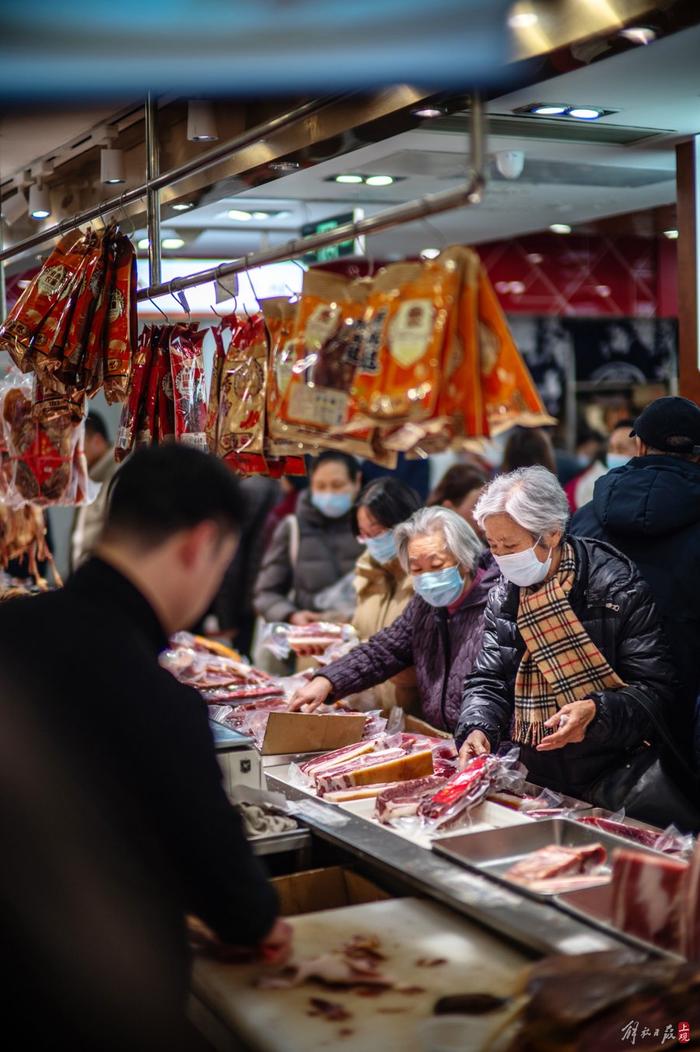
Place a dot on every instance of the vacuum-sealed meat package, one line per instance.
(242, 398)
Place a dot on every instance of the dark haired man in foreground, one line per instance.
(113, 818)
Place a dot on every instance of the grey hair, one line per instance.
(531, 496)
(460, 539)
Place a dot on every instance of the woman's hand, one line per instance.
(475, 745)
(571, 723)
(276, 947)
(311, 696)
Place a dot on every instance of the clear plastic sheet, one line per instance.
(282, 639)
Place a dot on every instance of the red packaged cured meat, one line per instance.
(121, 321)
(189, 395)
(242, 398)
(137, 386)
(691, 909)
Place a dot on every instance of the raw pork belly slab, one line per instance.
(556, 861)
(404, 798)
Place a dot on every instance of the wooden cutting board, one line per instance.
(410, 930)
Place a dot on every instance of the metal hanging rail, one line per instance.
(469, 193)
(160, 182)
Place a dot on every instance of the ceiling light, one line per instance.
(112, 166)
(379, 180)
(14, 207)
(172, 242)
(284, 167)
(522, 19)
(547, 109)
(201, 124)
(560, 228)
(239, 215)
(143, 244)
(672, 235)
(639, 34)
(39, 201)
(430, 253)
(183, 206)
(349, 179)
(429, 112)
(261, 215)
(585, 113)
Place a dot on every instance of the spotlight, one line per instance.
(183, 206)
(39, 201)
(111, 166)
(585, 113)
(173, 242)
(379, 180)
(201, 125)
(672, 235)
(429, 112)
(546, 109)
(13, 208)
(560, 228)
(351, 180)
(240, 215)
(143, 244)
(261, 215)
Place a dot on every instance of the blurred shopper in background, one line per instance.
(413, 473)
(290, 488)
(527, 447)
(314, 548)
(574, 668)
(384, 588)
(89, 520)
(440, 632)
(615, 453)
(649, 508)
(112, 798)
(459, 489)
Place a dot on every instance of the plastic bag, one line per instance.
(671, 841)
(451, 804)
(340, 598)
(283, 639)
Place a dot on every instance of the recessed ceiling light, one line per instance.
(379, 180)
(261, 215)
(428, 112)
(143, 244)
(547, 109)
(349, 179)
(430, 253)
(519, 19)
(585, 113)
(172, 242)
(183, 206)
(560, 228)
(639, 34)
(672, 235)
(240, 215)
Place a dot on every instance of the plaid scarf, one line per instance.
(561, 663)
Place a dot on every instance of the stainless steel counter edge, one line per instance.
(536, 926)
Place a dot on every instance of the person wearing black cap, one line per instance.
(650, 510)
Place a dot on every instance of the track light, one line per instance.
(112, 166)
(39, 201)
(14, 207)
(201, 125)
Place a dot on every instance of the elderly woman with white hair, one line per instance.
(439, 632)
(574, 667)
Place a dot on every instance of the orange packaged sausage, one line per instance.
(510, 395)
(404, 335)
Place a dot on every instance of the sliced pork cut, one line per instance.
(648, 897)
(555, 860)
(404, 798)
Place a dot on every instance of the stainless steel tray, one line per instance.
(494, 851)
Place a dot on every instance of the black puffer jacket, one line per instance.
(650, 510)
(615, 607)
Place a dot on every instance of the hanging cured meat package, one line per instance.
(241, 426)
(510, 395)
(188, 387)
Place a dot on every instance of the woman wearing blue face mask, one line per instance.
(313, 549)
(439, 634)
(575, 668)
(383, 587)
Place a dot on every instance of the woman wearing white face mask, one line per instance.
(440, 631)
(574, 668)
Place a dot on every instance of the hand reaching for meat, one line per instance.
(311, 696)
(303, 617)
(276, 947)
(477, 744)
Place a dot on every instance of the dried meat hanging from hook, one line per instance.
(23, 536)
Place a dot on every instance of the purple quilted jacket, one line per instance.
(442, 646)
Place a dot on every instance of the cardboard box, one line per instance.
(416, 726)
(300, 732)
(324, 889)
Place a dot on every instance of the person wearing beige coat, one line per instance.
(383, 588)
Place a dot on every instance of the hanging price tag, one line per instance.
(226, 288)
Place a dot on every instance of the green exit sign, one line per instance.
(353, 247)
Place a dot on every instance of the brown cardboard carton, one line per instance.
(324, 889)
(301, 732)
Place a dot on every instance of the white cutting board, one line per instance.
(410, 929)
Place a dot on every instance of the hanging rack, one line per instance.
(433, 204)
(175, 175)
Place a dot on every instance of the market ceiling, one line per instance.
(59, 48)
